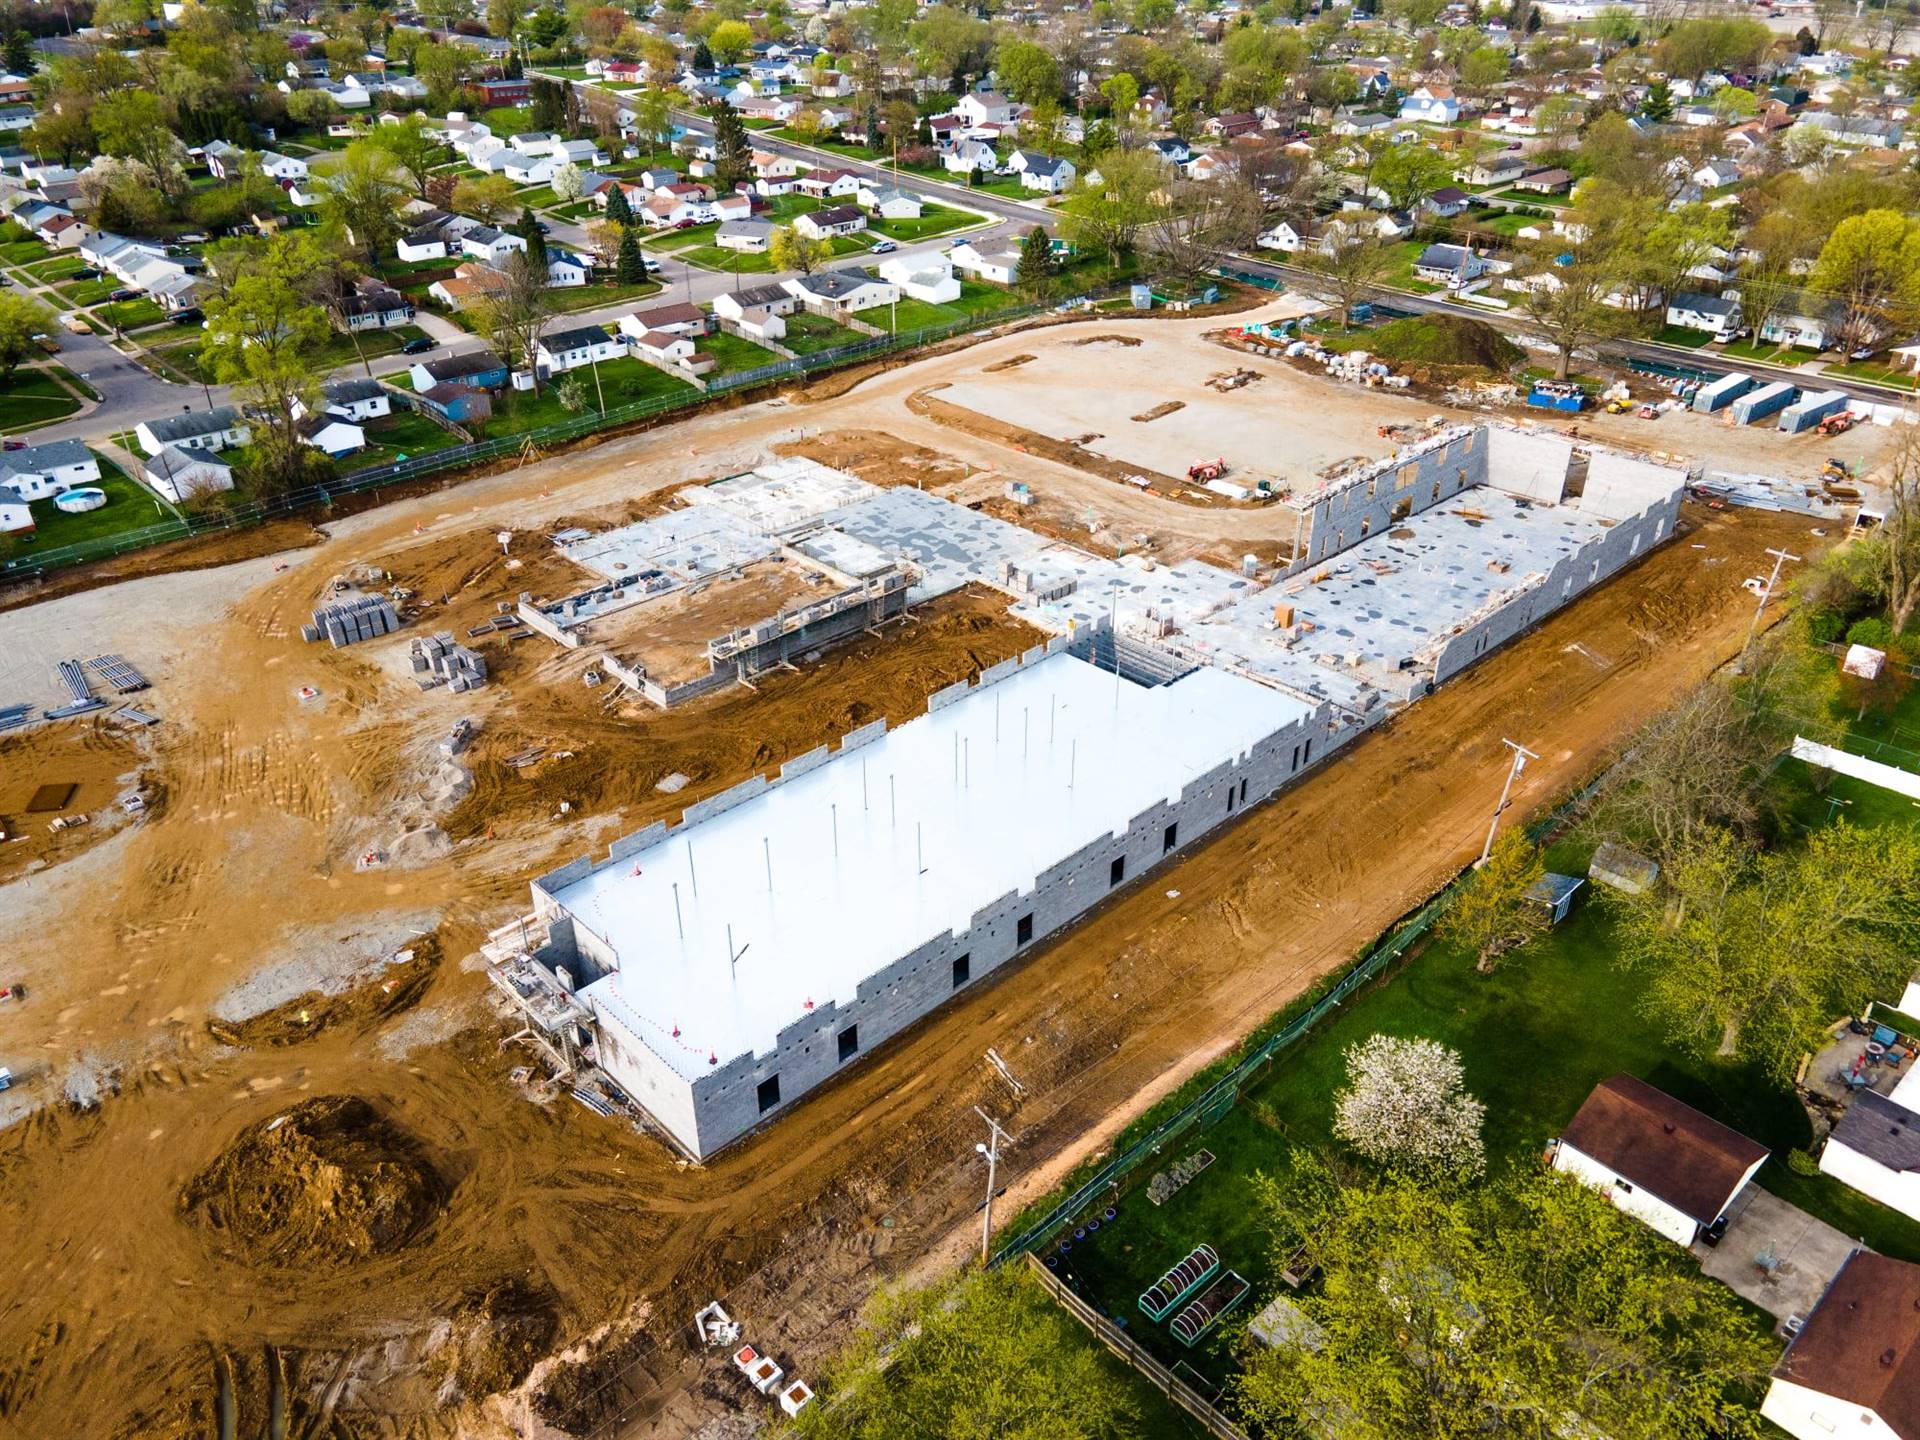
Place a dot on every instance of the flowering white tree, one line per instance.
(569, 182)
(1406, 1107)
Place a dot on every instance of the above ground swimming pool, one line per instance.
(78, 502)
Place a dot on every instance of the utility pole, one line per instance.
(1780, 557)
(1520, 757)
(991, 1149)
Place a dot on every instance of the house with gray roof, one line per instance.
(213, 429)
(1876, 1147)
(42, 471)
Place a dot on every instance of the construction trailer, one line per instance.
(1811, 409)
(1767, 400)
(1721, 393)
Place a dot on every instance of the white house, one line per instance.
(1662, 1162)
(332, 434)
(484, 242)
(847, 291)
(749, 237)
(1434, 104)
(832, 221)
(1805, 322)
(1876, 1147)
(967, 156)
(738, 307)
(178, 474)
(1001, 267)
(1854, 1369)
(567, 269)
(353, 398)
(922, 277)
(679, 318)
(1048, 174)
(662, 348)
(282, 167)
(570, 349)
(1714, 314)
(16, 516)
(523, 169)
(40, 472)
(213, 429)
(1449, 265)
(888, 202)
(985, 107)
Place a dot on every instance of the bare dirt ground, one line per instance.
(669, 635)
(142, 1120)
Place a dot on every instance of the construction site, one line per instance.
(424, 1057)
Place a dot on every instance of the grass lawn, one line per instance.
(1008, 187)
(1876, 374)
(1767, 352)
(87, 292)
(733, 353)
(58, 268)
(807, 334)
(1503, 222)
(22, 252)
(508, 120)
(835, 147)
(684, 239)
(592, 297)
(712, 257)
(130, 314)
(621, 381)
(1681, 335)
(32, 398)
(934, 220)
(396, 437)
(910, 315)
(1399, 267)
(578, 210)
(130, 506)
(1536, 1037)
(540, 197)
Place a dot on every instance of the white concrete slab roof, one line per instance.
(887, 847)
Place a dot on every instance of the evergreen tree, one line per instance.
(629, 266)
(513, 70)
(572, 109)
(1035, 279)
(19, 55)
(873, 126)
(702, 57)
(732, 148)
(618, 210)
(545, 108)
(527, 227)
(1658, 106)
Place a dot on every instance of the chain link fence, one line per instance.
(480, 452)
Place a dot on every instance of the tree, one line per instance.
(1122, 94)
(1111, 204)
(1569, 288)
(1871, 262)
(265, 336)
(133, 124)
(19, 58)
(1658, 104)
(1347, 262)
(630, 266)
(732, 147)
(1407, 174)
(729, 40)
(1026, 71)
(1895, 547)
(619, 210)
(980, 1355)
(504, 17)
(413, 151)
(788, 249)
(443, 70)
(1751, 954)
(1034, 279)
(1492, 914)
(1406, 1107)
(546, 104)
(21, 318)
(653, 119)
(513, 312)
(124, 17)
(1692, 772)
(1483, 68)
(568, 183)
(365, 195)
(1204, 224)
(488, 198)
(1527, 1307)
(527, 227)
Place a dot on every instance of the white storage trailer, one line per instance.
(1811, 410)
(1767, 400)
(1721, 393)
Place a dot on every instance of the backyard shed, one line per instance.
(1555, 893)
(1622, 869)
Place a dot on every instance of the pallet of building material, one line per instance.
(81, 707)
(74, 676)
(119, 675)
(438, 658)
(458, 738)
(14, 721)
(138, 717)
(526, 757)
(349, 622)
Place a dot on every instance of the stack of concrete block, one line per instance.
(458, 738)
(351, 621)
(440, 661)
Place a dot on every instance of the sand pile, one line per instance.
(329, 1182)
(501, 1334)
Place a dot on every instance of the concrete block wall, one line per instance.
(725, 1102)
(1362, 505)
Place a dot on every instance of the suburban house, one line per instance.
(832, 221)
(1854, 1368)
(40, 472)
(846, 292)
(282, 167)
(332, 434)
(1350, 123)
(922, 277)
(1450, 265)
(355, 398)
(769, 166)
(1501, 169)
(1712, 174)
(570, 349)
(1446, 202)
(1714, 314)
(1544, 182)
(889, 203)
(213, 429)
(16, 516)
(985, 107)
(484, 242)
(1876, 1146)
(1661, 1161)
(1805, 322)
(967, 156)
(178, 474)
(1001, 267)
(678, 319)
(758, 312)
(455, 404)
(821, 183)
(668, 352)
(749, 237)
(469, 281)
(375, 305)
(480, 369)
(1049, 174)
(568, 269)
(1434, 104)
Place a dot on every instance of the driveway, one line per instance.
(1805, 1254)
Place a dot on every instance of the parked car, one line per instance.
(192, 315)
(85, 272)
(543, 227)
(419, 346)
(123, 293)
(884, 247)
(13, 444)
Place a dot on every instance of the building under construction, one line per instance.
(719, 969)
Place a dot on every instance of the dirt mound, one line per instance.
(1444, 340)
(1126, 340)
(502, 1332)
(389, 990)
(323, 1185)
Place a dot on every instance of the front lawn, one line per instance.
(712, 257)
(1681, 335)
(130, 506)
(1875, 374)
(1767, 353)
(31, 398)
(934, 220)
(594, 296)
(87, 292)
(507, 121)
(808, 334)
(130, 314)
